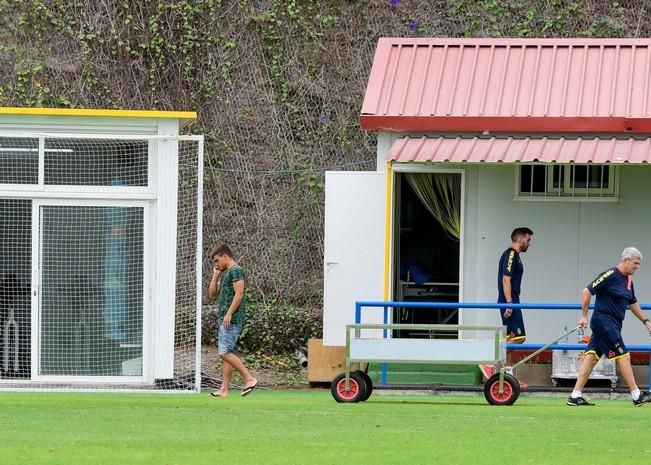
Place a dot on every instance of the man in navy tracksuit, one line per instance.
(509, 283)
(614, 292)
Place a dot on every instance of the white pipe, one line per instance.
(199, 262)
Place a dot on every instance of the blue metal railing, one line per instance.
(488, 306)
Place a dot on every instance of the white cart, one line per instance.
(370, 343)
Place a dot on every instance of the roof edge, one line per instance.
(512, 41)
(505, 124)
(181, 115)
(511, 150)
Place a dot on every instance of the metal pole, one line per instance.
(198, 264)
(385, 368)
(546, 346)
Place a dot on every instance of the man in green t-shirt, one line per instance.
(228, 283)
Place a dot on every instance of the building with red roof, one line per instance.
(474, 138)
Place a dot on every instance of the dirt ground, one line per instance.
(270, 371)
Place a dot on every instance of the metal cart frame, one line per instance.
(500, 389)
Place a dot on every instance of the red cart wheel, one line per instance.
(509, 394)
(368, 388)
(356, 388)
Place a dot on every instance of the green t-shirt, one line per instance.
(227, 293)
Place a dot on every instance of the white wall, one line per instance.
(165, 213)
(573, 242)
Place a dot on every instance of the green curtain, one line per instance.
(440, 193)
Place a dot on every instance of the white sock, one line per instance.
(575, 394)
(635, 395)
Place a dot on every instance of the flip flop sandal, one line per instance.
(246, 391)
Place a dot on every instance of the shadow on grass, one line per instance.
(425, 402)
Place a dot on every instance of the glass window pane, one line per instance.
(539, 180)
(532, 179)
(595, 177)
(558, 176)
(579, 176)
(18, 160)
(96, 162)
(590, 176)
(92, 287)
(605, 176)
(525, 178)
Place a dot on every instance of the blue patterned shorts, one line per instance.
(227, 338)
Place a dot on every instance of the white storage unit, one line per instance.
(90, 293)
(566, 365)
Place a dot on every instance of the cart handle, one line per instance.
(545, 347)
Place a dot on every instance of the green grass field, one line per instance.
(310, 428)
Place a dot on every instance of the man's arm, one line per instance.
(637, 311)
(213, 288)
(238, 287)
(586, 296)
(506, 286)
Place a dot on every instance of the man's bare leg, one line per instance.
(227, 372)
(626, 370)
(587, 365)
(236, 363)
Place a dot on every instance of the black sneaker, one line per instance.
(645, 398)
(580, 401)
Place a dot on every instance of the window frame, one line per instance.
(567, 192)
(41, 189)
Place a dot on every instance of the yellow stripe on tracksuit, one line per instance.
(591, 352)
(594, 354)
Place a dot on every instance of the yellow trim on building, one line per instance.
(387, 231)
(94, 112)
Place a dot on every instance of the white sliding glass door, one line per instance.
(89, 321)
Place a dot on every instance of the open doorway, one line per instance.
(427, 251)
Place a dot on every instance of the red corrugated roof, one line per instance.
(521, 150)
(539, 85)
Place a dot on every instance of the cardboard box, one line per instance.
(324, 363)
